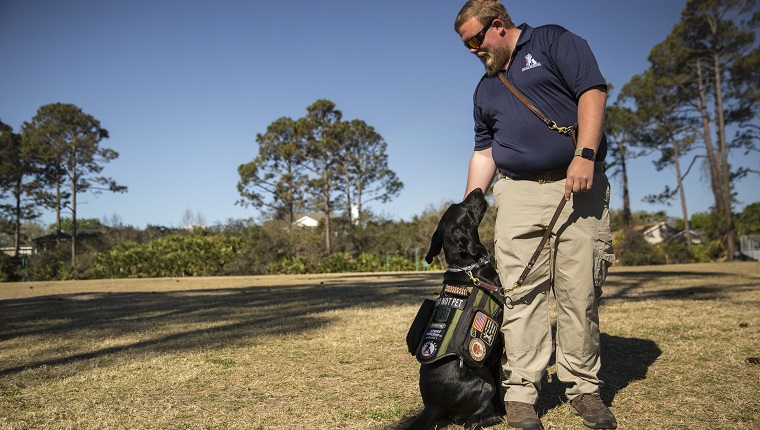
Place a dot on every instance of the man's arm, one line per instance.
(481, 171)
(580, 173)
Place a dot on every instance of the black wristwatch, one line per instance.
(586, 153)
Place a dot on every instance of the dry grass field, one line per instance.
(328, 351)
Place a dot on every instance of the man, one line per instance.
(538, 167)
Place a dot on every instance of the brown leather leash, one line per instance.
(541, 246)
(485, 285)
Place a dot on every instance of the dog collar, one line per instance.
(482, 262)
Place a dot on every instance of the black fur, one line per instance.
(462, 394)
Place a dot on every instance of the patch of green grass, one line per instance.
(10, 393)
(390, 414)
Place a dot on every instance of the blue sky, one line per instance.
(183, 87)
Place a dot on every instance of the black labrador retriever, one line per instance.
(452, 390)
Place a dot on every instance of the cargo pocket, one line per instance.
(603, 259)
(476, 336)
(603, 255)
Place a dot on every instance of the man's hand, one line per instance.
(580, 176)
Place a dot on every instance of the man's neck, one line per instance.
(513, 34)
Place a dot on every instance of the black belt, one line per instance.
(553, 176)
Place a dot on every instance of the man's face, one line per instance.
(492, 51)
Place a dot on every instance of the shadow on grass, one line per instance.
(624, 360)
(645, 285)
(170, 321)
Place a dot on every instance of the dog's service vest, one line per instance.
(464, 321)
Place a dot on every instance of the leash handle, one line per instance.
(541, 245)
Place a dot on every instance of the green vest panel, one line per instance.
(465, 321)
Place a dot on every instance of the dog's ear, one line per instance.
(436, 243)
(476, 204)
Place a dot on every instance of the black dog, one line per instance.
(452, 390)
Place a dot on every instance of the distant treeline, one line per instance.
(246, 248)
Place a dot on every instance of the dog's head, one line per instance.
(457, 232)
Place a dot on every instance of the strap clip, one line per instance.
(561, 130)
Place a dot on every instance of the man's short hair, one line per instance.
(483, 10)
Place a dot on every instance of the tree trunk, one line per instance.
(716, 168)
(58, 204)
(291, 207)
(627, 216)
(326, 208)
(349, 211)
(725, 179)
(17, 220)
(682, 195)
(74, 220)
(359, 216)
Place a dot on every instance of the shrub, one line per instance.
(676, 253)
(7, 269)
(632, 250)
(397, 263)
(291, 266)
(368, 263)
(174, 255)
(53, 264)
(338, 262)
(709, 251)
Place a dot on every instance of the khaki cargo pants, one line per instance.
(572, 267)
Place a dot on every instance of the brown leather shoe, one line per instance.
(595, 414)
(522, 416)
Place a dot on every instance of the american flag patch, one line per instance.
(480, 321)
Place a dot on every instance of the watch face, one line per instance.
(587, 153)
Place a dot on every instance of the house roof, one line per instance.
(309, 220)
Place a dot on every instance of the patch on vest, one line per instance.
(428, 350)
(477, 349)
(451, 302)
(484, 327)
(442, 314)
(462, 325)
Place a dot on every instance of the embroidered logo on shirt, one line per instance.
(530, 62)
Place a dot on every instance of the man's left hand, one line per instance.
(580, 176)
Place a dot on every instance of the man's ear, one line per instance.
(499, 26)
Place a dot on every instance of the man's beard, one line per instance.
(494, 60)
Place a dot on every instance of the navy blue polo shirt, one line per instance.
(552, 67)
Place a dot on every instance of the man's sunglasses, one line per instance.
(475, 41)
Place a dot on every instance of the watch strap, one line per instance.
(586, 153)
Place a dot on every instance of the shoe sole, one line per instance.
(595, 426)
(532, 426)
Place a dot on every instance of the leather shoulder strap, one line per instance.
(524, 100)
(568, 131)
